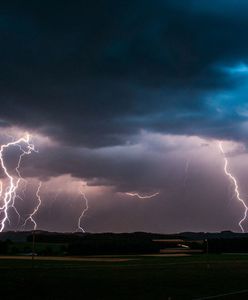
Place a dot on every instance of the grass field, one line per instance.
(135, 277)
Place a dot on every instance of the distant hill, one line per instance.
(212, 235)
(22, 236)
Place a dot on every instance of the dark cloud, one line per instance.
(95, 72)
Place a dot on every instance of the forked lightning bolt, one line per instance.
(142, 196)
(9, 194)
(84, 210)
(236, 187)
(31, 216)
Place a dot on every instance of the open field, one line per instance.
(70, 258)
(125, 277)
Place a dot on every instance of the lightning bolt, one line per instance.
(186, 171)
(142, 196)
(84, 210)
(29, 150)
(31, 216)
(10, 193)
(236, 187)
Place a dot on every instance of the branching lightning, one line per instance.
(142, 196)
(236, 187)
(86, 208)
(31, 216)
(9, 194)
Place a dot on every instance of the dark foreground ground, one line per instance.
(141, 277)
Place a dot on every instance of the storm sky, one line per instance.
(128, 97)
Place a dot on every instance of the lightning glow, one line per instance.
(1, 188)
(9, 194)
(84, 210)
(36, 209)
(142, 196)
(236, 187)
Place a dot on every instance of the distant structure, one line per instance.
(179, 246)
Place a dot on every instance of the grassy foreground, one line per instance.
(143, 277)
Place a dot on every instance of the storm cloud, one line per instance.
(96, 72)
(126, 95)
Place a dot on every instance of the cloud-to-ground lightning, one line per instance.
(142, 196)
(10, 192)
(186, 172)
(236, 187)
(31, 216)
(86, 208)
